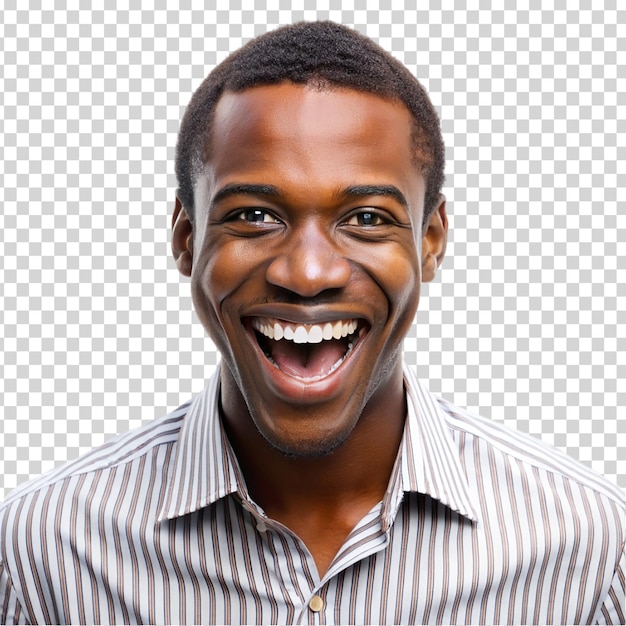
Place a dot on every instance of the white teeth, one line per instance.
(304, 333)
(316, 334)
(300, 336)
(278, 331)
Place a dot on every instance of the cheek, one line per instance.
(397, 271)
(405, 292)
(219, 271)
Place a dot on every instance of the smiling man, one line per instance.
(314, 480)
(305, 264)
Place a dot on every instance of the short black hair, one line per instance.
(325, 55)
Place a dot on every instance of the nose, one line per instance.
(309, 264)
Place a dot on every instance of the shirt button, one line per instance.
(261, 527)
(316, 604)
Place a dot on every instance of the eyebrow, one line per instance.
(239, 189)
(389, 191)
(354, 191)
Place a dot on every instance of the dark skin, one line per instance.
(309, 214)
(322, 499)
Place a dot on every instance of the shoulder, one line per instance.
(122, 450)
(537, 502)
(81, 506)
(521, 467)
(484, 445)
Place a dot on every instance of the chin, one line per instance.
(307, 449)
(307, 440)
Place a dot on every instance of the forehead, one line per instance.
(325, 138)
(289, 102)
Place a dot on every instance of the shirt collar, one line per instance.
(430, 458)
(206, 470)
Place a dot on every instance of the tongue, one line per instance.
(306, 360)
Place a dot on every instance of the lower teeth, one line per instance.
(335, 366)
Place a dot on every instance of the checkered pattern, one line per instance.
(525, 323)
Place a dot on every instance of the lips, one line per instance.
(308, 352)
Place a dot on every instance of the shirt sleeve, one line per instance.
(613, 610)
(10, 608)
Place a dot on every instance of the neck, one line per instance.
(358, 471)
(321, 499)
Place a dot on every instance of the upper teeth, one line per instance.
(304, 333)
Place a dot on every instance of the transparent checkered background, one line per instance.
(525, 324)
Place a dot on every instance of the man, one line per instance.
(314, 480)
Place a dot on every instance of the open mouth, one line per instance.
(307, 351)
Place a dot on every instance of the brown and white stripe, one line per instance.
(479, 525)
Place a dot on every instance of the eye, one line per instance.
(365, 218)
(259, 216)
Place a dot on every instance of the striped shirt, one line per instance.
(478, 525)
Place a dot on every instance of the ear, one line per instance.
(434, 240)
(182, 239)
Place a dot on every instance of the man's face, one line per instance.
(306, 264)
